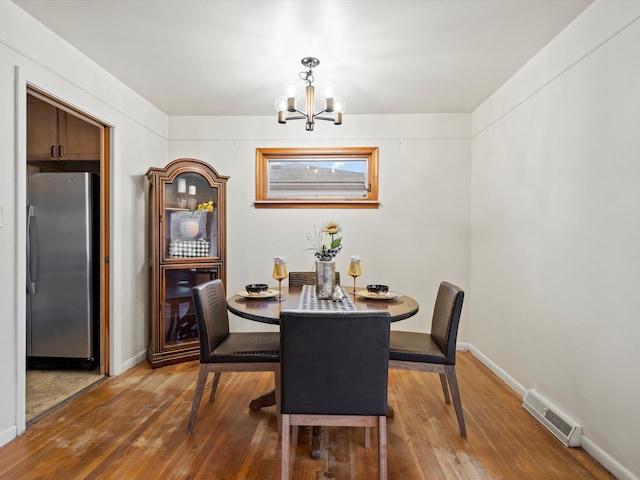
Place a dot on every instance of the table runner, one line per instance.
(310, 302)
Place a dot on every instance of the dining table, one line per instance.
(267, 306)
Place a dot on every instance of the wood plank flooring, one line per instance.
(134, 427)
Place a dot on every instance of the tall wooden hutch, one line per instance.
(187, 246)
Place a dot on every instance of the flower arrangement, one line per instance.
(206, 206)
(326, 243)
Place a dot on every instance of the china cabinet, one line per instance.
(187, 246)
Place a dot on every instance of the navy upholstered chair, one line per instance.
(334, 369)
(435, 351)
(223, 351)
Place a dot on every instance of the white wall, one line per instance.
(419, 235)
(555, 203)
(30, 53)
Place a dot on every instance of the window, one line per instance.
(317, 177)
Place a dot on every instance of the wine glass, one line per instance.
(279, 273)
(354, 269)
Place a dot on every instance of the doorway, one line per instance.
(62, 141)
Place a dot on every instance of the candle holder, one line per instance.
(181, 196)
(192, 201)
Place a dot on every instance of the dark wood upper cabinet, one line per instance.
(54, 134)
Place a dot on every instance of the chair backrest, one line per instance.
(210, 303)
(297, 279)
(334, 363)
(446, 318)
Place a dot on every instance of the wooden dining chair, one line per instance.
(334, 368)
(435, 351)
(297, 279)
(223, 351)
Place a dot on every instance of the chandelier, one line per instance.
(286, 104)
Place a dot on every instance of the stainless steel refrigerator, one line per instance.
(62, 269)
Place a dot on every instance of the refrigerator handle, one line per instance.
(32, 260)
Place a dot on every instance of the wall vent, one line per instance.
(565, 429)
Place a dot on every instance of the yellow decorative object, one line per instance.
(207, 206)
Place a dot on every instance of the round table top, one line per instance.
(267, 310)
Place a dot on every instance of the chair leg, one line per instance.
(367, 437)
(214, 386)
(286, 428)
(197, 396)
(445, 387)
(276, 378)
(382, 447)
(455, 393)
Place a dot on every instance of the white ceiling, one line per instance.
(218, 57)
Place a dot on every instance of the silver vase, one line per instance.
(325, 278)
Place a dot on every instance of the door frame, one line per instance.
(104, 216)
(22, 87)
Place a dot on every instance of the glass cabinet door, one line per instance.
(177, 310)
(191, 218)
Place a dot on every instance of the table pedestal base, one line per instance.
(265, 400)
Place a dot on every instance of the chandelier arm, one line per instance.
(324, 118)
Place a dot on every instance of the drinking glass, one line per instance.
(279, 273)
(354, 270)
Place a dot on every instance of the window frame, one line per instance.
(265, 155)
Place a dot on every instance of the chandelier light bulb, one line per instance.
(328, 91)
(339, 105)
(292, 91)
(281, 103)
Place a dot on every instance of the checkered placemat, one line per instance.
(189, 248)
(309, 302)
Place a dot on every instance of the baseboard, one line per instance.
(8, 435)
(501, 374)
(603, 458)
(132, 362)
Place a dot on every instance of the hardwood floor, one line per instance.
(134, 427)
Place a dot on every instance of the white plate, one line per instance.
(372, 296)
(256, 296)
